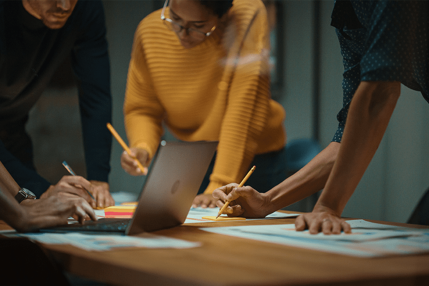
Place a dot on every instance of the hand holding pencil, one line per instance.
(240, 185)
(131, 159)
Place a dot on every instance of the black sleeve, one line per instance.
(25, 177)
(91, 66)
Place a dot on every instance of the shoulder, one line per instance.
(246, 8)
(151, 27)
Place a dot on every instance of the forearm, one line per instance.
(307, 181)
(368, 117)
(10, 210)
(7, 183)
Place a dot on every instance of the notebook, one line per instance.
(167, 195)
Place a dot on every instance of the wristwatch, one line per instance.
(24, 194)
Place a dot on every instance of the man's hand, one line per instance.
(130, 165)
(244, 201)
(204, 201)
(322, 219)
(71, 185)
(101, 194)
(53, 211)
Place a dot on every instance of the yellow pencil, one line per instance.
(119, 139)
(240, 185)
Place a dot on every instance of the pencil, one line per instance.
(125, 147)
(74, 174)
(239, 186)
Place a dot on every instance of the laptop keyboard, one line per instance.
(105, 225)
(102, 225)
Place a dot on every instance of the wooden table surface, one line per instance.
(226, 260)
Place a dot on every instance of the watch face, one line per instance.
(29, 193)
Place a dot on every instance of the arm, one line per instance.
(33, 214)
(310, 179)
(246, 78)
(91, 66)
(369, 115)
(143, 111)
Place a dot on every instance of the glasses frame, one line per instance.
(163, 18)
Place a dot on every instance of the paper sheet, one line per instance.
(368, 239)
(107, 242)
(195, 215)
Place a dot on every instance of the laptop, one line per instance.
(166, 198)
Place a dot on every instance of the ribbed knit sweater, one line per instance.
(218, 90)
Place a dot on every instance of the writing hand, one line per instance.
(130, 165)
(244, 201)
(72, 185)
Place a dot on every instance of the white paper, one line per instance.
(92, 242)
(196, 215)
(366, 240)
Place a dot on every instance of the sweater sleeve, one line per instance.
(90, 61)
(248, 104)
(142, 110)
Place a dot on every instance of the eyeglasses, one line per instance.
(176, 27)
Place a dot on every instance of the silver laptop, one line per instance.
(166, 197)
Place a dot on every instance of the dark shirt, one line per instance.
(30, 53)
(390, 43)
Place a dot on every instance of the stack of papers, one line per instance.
(106, 242)
(366, 240)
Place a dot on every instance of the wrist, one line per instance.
(47, 193)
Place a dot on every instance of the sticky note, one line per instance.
(223, 218)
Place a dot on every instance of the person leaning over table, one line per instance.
(22, 211)
(384, 44)
(201, 67)
(35, 38)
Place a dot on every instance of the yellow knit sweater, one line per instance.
(218, 90)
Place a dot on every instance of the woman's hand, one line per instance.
(130, 165)
(204, 201)
(244, 201)
(322, 219)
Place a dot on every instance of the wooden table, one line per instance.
(225, 260)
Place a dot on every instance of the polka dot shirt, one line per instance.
(391, 45)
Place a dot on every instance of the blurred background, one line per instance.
(306, 80)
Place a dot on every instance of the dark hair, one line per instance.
(218, 7)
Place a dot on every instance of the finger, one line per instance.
(100, 199)
(197, 201)
(336, 227)
(327, 226)
(212, 203)
(235, 210)
(80, 213)
(205, 201)
(314, 226)
(346, 227)
(300, 224)
(88, 211)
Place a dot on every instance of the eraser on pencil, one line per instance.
(223, 218)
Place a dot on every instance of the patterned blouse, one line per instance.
(382, 41)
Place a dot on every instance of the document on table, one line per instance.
(106, 242)
(367, 239)
(196, 215)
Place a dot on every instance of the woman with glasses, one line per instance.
(201, 69)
